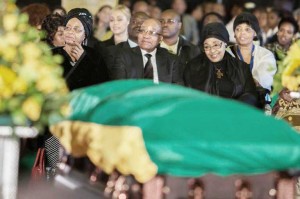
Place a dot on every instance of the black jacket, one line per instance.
(128, 64)
(186, 51)
(200, 74)
(90, 69)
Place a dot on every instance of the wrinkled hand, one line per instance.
(76, 51)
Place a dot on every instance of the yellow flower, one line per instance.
(65, 110)
(22, 27)
(2, 105)
(13, 38)
(292, 60)
(46, 84)
(6, 92)
(9, 53)
(20, 86)
(11, 7)
(30, 51)
(32, 108)
(10, 22)
(7, 76)
(27, 70)
(290, 82)
(28, 73)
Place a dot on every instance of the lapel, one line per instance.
(137, 64)
(180, 44)
(124, 44)
(161, 63)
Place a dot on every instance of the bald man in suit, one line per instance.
(147, 60)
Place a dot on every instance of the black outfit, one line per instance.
(129, 64)
(108, 49)
(90, 69)
(109, 53)
(229, 78)
(108, 42)
(185, 52)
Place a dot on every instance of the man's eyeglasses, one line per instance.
(214, 47)
(148, 32)
(75, 29)
(167, 21)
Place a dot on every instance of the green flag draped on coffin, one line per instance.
(185, 132)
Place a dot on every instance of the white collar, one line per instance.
(131, 43)
(170, 48)
(152, 53)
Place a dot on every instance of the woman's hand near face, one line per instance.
(76, 51)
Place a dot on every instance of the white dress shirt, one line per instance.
(132, 44)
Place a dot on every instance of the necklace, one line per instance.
(219, 73)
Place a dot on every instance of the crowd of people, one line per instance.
(205, 49)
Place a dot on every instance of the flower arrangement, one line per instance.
(289, 68)
(31, 83)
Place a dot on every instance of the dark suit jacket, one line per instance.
(128, 64)
(186, 51)
(109, 53)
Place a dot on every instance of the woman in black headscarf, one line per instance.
(217, 72)
(82, 65)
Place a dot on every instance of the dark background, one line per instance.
(165, 3)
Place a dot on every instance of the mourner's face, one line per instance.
(171, 25)
(118, 22)
(74, 31)
(134, 26)
(273, 19)
(244, 34)
(149, 35)
(214, 49)
(104, 15)
(285, 34)
(58, 39)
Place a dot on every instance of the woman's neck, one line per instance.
(246, 52)
(120, 37)
(246, 48)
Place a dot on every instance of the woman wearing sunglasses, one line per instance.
(218, 73)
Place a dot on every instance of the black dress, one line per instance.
(89, 70)
(229, 78)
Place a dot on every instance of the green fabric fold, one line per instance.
(190, 133)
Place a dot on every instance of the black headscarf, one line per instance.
(215, 30)
(249, 19)
(85, 18)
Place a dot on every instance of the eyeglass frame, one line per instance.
(149, 32)
(214, 47)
